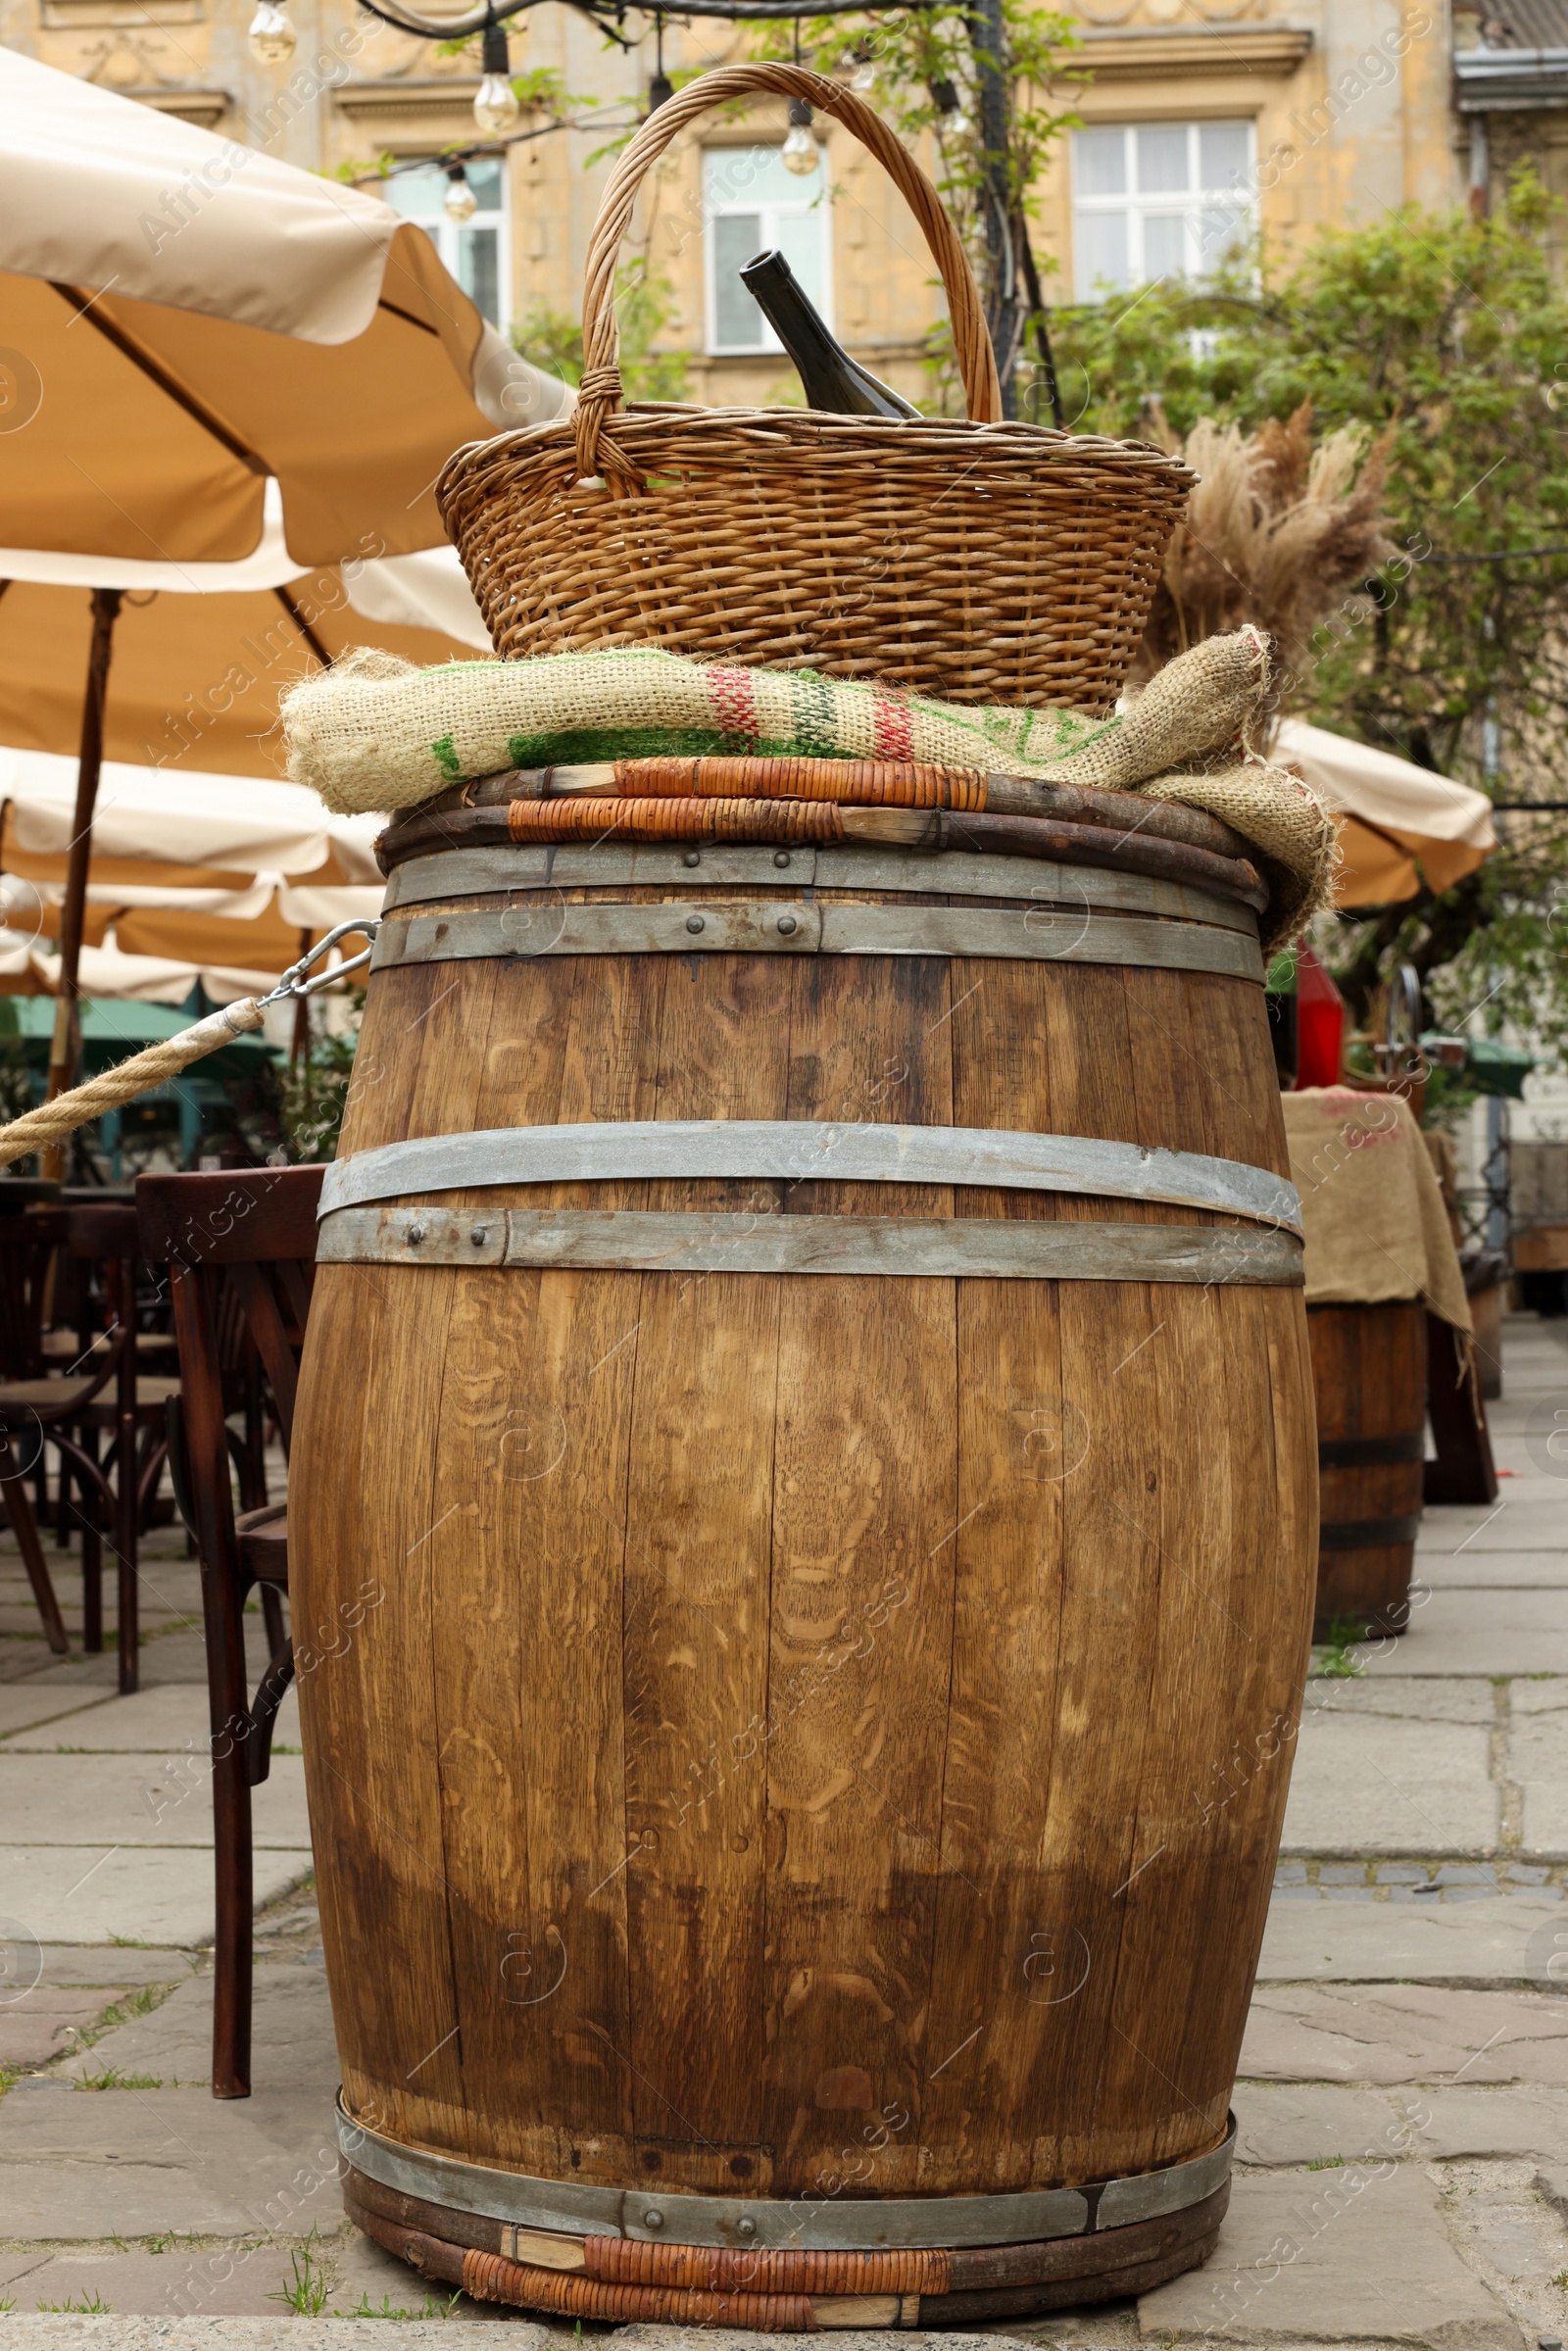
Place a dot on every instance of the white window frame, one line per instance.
(1194, 200)
(444, 233)
(770, 346)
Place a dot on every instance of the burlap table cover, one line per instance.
(1371, 1206)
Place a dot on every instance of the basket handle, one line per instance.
(600, 394)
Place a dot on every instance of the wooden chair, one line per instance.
(102, 1394)
(240, 1245)
(29, 1243)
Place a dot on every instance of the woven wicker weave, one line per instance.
(981, 562)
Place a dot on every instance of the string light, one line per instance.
(661, 89)
(460, 202)
(271, 36)
(495, 104)
(953, 121)
(799, 147)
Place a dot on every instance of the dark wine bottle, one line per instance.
(829, 377)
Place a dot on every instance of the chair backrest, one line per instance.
(27, 1243)
(242, 1238)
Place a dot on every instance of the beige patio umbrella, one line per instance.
(1399, 824)
(202, 655)
(182, 318)
(185, 327)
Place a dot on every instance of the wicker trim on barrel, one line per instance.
(980, 561)
(763, 2269)
(491, 2277)
(850, 783)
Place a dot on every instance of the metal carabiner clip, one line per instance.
(294, 982)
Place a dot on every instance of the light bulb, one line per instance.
(494, 105)
(272, 35)
(951, 120)
(863, 81)
(799, 147)
(460, 202)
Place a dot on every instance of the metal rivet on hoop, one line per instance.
(694, 922)
(787, 923)
(478, 1236)
(415, 1235)
(746, 2227)
(653, 2220)
(781, 857)
(693, 857)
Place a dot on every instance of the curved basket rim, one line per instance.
(1011, 442)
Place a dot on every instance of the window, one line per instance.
(752, 201)
(476, 252)
(1157, 200)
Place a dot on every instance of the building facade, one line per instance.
(1203, 119)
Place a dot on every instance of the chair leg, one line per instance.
(92, 1556)
(231, 1956)
(13, 1485)
(40, 1488)
(127, 1590)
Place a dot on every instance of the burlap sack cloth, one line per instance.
(1371, 1206)
(374, 733)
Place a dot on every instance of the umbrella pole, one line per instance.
(67, 1043)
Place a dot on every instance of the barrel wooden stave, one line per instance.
(1369, 1371)
(1035, 1753)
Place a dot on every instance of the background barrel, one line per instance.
(1369, 1372)
(800, 1735)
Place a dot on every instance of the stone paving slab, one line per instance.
(1539, 1693)
(1321, 2122)
(1493, 1571)
(1457, 1698)
(42, 2282)
(275, 2333)
(1348, 2256)
(1401, 2033)
(1316, 2123)
(1505, 2122)
(291, 2032)
(1466, 1631)
(1518, 1520)
(100, 1800)
(170, 1657)
(170, 1720)
(46, 2024)
(111, 1967)
(1484, 1941)
(138, 1895)
(86, 2166)
(1537, 1764)
(25, 1705)
(1365, 1783)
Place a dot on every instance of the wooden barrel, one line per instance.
(804, 1473)
(1369, 1371)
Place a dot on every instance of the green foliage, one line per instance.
(90, 2304)
(306, 2293)
(1451, 335)
(112, 2077)
(316, 1089)
(552, 340)
(1337, 1660)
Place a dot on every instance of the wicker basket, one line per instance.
(977, 562)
